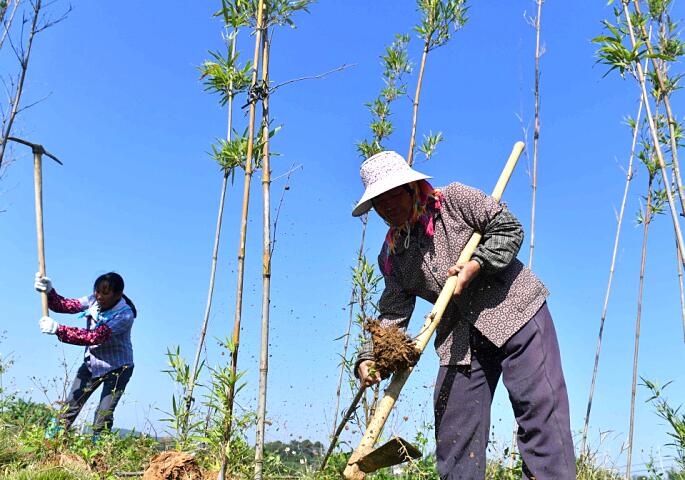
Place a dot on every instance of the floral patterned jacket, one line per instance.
(498, 302)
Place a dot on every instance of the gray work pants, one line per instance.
(530, 365)
(113, 385)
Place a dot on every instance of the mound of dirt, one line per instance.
(393, 349)
(172, 465)
(69, 460)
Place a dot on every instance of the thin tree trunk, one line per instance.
(246, 198)
(203, 332)
(655, 138)
(534, 183)
(647, 220)
(243, 231)
(672, 122)
(629, 177)
(682, 293)
(215, 255)
(266, 268)
(360, 256)
(8, 24)
(412, 139)
(20, 84)
(536, 133)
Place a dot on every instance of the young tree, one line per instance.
(276, 12)
(655, 200)
(635, 125)
(34, 16)
(266, 267)
(669, 47)
(536, 129)
(439, 17)
(253, 95)
(223, 76)
(396, 65)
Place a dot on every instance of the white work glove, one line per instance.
(48, 325)
(42, 284)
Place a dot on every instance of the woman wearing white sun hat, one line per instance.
(497, 324)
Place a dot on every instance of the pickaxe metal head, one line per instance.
(36, 148)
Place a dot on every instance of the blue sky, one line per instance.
(138, 194)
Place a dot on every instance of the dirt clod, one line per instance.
(69, 460)
(172, 465)
(393, 349)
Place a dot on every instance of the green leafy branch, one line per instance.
(395, 64)
(440, 18)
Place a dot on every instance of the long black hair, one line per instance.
(116, 283)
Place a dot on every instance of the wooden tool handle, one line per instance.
(38, 183)
(375, 425)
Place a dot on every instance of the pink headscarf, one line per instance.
(427, 202)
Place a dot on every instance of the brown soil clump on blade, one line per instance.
(172, 465)
(393, 349)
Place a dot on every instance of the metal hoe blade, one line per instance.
(397, 450)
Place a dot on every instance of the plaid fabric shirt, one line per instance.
(107, 336)
(498, 302)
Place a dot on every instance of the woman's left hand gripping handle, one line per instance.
(42, 284)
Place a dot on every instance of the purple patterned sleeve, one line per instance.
(502, 232)
(59, 304)
(81, 336)
(395, 306)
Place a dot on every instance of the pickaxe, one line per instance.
(365, 459)
(38, 152)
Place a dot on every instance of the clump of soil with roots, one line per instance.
(393, 349)
(172, 465)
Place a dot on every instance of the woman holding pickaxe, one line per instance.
(108, 354)
(497, 323)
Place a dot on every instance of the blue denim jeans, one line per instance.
(113, 385)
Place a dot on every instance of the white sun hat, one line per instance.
(382, 172)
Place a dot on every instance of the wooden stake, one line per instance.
(266, 266)
(375, 426)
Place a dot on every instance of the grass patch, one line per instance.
(55, 473)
